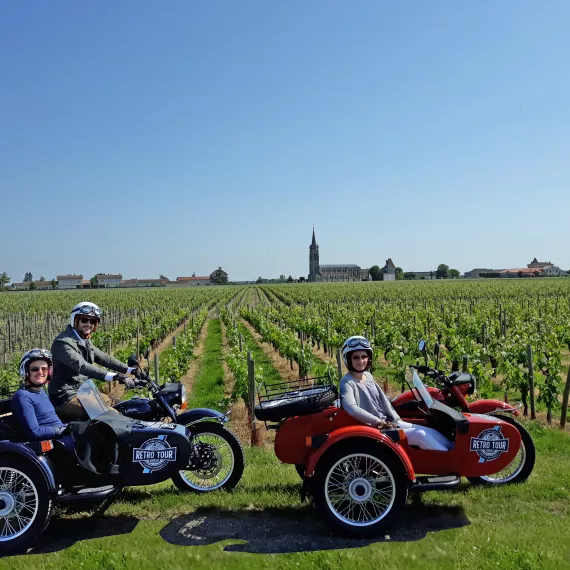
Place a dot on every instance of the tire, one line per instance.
(343, 468)
(26, 505)
(224, 454)
(298, 403)
(520, 467)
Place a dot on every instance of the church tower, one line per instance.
(314, 267)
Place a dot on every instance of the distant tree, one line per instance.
(28, 277)
(161, 276)
(42, 278)
(4, 280)
(33, 285)
(442, 271)
(409, 276)
(194, 274)
(219, 277)
(53, 283)
(375, 273)
(302, 279)
(453, 273)
(290, 279)
(259, 280)
(94, 281)
(399, 273)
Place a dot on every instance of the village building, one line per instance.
(108, 280)
(191, 281)
(69, 281)
(535, 264)
(145, 282)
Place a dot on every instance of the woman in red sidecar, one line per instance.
(365, 401)
(359, 475)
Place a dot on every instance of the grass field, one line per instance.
(263, 524)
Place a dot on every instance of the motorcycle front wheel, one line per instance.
(217, 461)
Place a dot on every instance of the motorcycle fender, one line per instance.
(347, 432)
(198, 414)
(42, 462)
(488, 406)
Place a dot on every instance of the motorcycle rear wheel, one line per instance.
(223, 460)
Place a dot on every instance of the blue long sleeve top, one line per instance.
(36, 414)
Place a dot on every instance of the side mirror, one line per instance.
(422, 345)
(133, 361)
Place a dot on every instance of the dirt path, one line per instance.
(167, 342)
(279, 363)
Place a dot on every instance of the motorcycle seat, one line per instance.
(10, 429)
(458, 378)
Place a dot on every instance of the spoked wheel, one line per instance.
(359, 488)
(519, 469)
(217, 460)
(25, 504)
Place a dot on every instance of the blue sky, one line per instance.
(174, 137)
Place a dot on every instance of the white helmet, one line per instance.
(35, 354)
(85, 308)
(355, 343)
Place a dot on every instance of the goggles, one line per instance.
(88, 310)
(354, 342)
(38, 353)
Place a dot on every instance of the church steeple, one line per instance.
(314, 266)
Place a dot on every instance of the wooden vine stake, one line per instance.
(565, 400)
(531, 382)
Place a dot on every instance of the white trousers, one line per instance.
(425, 437)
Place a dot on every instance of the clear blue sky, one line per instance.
(173, 137)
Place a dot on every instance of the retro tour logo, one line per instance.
(489, 444)
(154, 454)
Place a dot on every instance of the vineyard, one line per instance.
(513, 335)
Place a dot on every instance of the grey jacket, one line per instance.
(73, 363)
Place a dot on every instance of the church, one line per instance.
(327, 273)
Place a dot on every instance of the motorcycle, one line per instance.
(453, 392)
(223, 449)
(92, 460)
(360, 476)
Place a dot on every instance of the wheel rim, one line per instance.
(511, 471)
(19, 503)
(360, 490)
(217, 462)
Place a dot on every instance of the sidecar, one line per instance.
(94, 461)
(360, 477)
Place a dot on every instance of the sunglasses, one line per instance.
(86, 320)
(358, 357)
(39, 369)
(88, 310)
(354, 342)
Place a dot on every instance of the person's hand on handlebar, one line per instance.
(386, 425)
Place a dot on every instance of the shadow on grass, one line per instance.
(63, 533)
(289, 530)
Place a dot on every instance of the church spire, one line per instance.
(314, 242)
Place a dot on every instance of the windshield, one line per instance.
(91, 400)
(418, 387)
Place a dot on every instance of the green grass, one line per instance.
(208, 388)
(263, 365)
(519, 526)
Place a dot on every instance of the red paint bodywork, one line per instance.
(333, 425)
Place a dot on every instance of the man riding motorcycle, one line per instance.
(74, 359)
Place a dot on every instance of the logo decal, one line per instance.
(154, 454)
(490, 444)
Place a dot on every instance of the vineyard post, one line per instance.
(339, 363)
(531, 382)
(156, 370)
(565, 398)
(109, 351)
(138, 342)
(174, 341)
(251, 393)
(465, 361)
(240, 342)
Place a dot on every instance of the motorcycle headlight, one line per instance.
(182, 393)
